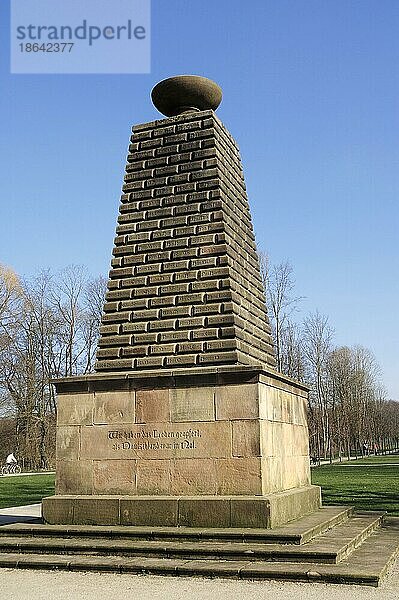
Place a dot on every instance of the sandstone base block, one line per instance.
(210, 447)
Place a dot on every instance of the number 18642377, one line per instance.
(47, 47)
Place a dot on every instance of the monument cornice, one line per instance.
(194, 377)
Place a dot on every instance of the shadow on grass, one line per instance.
(17, 491)
(364, 488)
(362, 500)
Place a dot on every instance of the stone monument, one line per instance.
(185, 422)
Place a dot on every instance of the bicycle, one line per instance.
(11, 469)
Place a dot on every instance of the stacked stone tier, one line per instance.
(185, 287)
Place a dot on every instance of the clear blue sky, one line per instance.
(311, 95)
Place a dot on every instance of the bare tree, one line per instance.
(51, 333)
(292, 356)
(317, 345)
(11, 302)
(93, 303)
(281, 302)
(10, 292)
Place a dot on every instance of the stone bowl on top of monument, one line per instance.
(186, 93)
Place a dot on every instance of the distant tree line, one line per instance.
(348, 413)
(48, 329)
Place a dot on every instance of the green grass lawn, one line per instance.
(26, 489)
(364, 486)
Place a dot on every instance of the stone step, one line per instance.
(299, 531)
(330, 547)
(347, 536)
(366, 565)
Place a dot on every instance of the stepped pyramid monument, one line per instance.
(186, 452)
(185, 421)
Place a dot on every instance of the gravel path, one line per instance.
(50, 585)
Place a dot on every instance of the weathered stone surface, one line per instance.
(272, 474)
(193, 477)
(114, 477)
(239, 476)
(91, 510)
(237, 402)
(74, 477)
(209, 512)
(250, 512)
(283, 439)
(292, 504)
(58, 511)
(192, 404)
(246, 439)
(149, 511)
(152, 406)
(284, 472)
(68, 442)
(113, 407)
(154, 477)
(75, 409)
